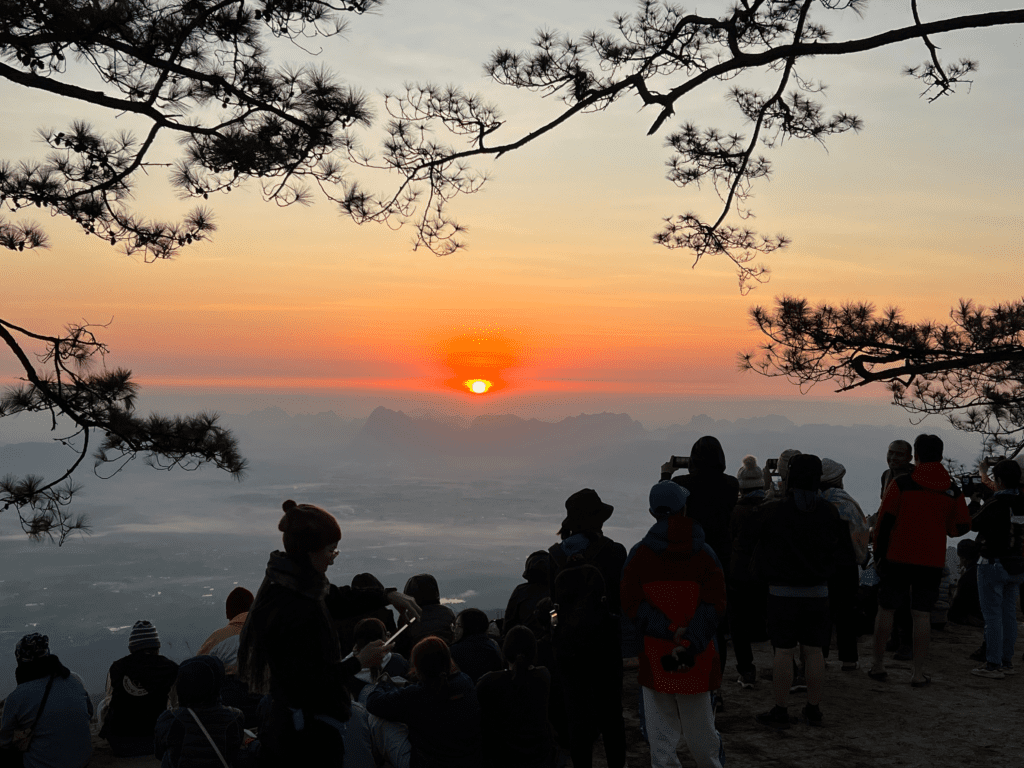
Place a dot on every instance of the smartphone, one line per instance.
(681, 462)
(391, 639)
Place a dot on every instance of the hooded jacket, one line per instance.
(673, 579)
(799, 547)
(138, 687)
(918, 511)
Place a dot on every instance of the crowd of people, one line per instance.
(306, 672)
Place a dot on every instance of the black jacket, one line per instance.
(140, 684)
(796, 548)
(1000, 527)
(181, 744)
(711, 503)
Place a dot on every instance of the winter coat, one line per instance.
(435, 619)
(797, 548)
(61, 737)
(444, 723)
(918, 511)
(711, 503)
(673, 579)
(741, 525)
(138, 687)
(180, 742)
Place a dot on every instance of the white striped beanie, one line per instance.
(143, 636)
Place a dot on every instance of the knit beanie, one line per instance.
(804, 472)
(143, 636)
(831, 471)
(784, 458)
(307, 528)
(667, 495)
(239, 601)
(32, 647)
(750, 475)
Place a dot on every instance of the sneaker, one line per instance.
(747, 679)
(799, 684)
(1008, 669)
(811, 715)
(989, 671)
(777, 717)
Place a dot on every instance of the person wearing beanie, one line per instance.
(591, 675)
(673, 593)
(138, 690)
(748, 595)
(798, 542)
(289, 644)
(180, 740)
(51, 703)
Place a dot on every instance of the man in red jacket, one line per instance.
(673, 593)
(918, 511)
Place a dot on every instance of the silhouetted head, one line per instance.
(471, 621)
(899, 455)
(538, 567)
(585, 512)
(784, 458)
(707, 457)
(431, 660)
(667, 498)
(32, 647)
(423, 589)
(239, 601)
(804, 472)
(143, 638)
(520, 642)
(832, 473)
(366, 581)
(200, 680)
(1006, 473)
(927, 448)
(368, 630)
(311, 535)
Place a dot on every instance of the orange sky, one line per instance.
(561, 289)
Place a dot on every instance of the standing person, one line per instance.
(289, 644)
(51, 703)
(918, 512)
(514, 708)
(748, 595)
(797, 547)
(138, 690)
(673, 591)
(845, 580)
(1000, 527)
(522, 604)
(713, 493)
(899, 459)
(586, 572)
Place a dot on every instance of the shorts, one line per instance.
(798, 620)
(897, 580)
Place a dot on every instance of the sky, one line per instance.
(561, 301)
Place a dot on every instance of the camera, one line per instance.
(680, 462)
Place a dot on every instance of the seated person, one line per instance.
(50, 702)
(393, 664)
(180, 739)
(346, 626)
(441, 710)
(514, 708)
(522, 604)
(138, 690)
(224, 645)
(435, 619)
(474, 651)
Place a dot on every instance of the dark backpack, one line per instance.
(584, 622)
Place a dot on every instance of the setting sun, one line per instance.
(478, 386)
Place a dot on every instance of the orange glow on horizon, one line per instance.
(480, 361)
(478, 386)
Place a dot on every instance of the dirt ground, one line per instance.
(959, 720)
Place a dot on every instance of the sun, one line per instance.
(478, 386)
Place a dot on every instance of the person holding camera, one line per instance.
(673, 592)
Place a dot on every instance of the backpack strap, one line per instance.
(39, 713)
(209, 738)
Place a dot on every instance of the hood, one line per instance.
(199, 680)
(707, 457)
(675, 533)
(931, 475)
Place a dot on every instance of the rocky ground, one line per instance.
(959, 719)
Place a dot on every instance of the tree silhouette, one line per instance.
(970, 369)
(202, 71)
